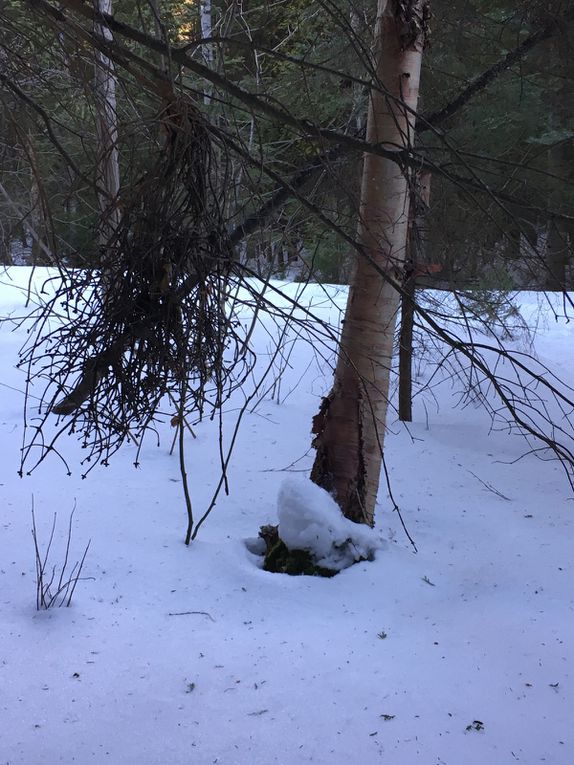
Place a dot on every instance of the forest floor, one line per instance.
(460, 652)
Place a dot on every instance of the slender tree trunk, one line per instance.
(557, 249)
(108, 165)
(35, 220)
(358, 113)
(38, 224)
(557, 257)
(107, 188)
(206, 31)
(350, 425)
(416, 237)
(5, 246)
(207, 50)
(406, 338)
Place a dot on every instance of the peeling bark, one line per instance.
(350, 433)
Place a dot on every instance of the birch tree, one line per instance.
(108, 166)
(349, 428)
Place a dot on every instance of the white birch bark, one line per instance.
(108, 165)
(207, 52)
(350, 427)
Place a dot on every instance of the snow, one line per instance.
(172, 654)
(310, 519)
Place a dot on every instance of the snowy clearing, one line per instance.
(460, 653)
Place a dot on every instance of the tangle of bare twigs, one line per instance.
(150, 321)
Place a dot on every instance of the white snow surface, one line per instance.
(175, 655)
(310, 519)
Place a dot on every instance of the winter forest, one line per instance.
(287, 383)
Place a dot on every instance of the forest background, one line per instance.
(500, 158)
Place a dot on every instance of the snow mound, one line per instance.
(310, 519)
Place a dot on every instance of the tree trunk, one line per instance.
(207, 49)
(38, 224)
(5, 246)
(557, 249)
(206, 31)
(557, 257)
(406, 338)
(350, 425)
(416, 252)
(108, 165)
(107, 181)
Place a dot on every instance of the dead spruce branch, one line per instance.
(150, 321)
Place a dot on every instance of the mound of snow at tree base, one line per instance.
(310, 519)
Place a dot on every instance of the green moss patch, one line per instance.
(279, 559)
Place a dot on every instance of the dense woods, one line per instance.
(286, 104)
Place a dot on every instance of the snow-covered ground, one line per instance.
(462, 652)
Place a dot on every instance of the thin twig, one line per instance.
(490, 487)
(187, 613)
